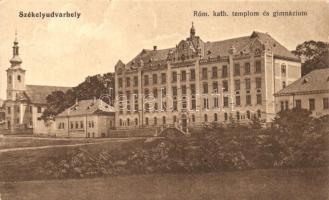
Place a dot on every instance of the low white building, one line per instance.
(87, 118)
(310, 92)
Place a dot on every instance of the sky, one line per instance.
(64, 51)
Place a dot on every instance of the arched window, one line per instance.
(120, 122)
(19, 78)
(155, 121)
(163, 120)
(248, 114)
(193, 118)
(237, 115)
(259, 114)
(128, 122)
(205, 118)
(215, 117)
(146, 121)
(225, 116)
(136, 121)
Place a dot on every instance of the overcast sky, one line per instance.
(63, 51)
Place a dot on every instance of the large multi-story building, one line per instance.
(199, 82)
(25, 104)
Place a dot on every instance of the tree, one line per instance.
(93, 87)
(315, 55)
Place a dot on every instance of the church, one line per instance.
(25, 104)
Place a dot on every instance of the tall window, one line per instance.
(163, 78)
(237, 84)
(205, 103)
(19, 78)
(174, 91)
(326, 103)
(135, 81)
(120, 82)
(236, 69)
(128, 82)
(247, 68)
(248, 99)
(258, 66)
(174, 77)
(237, 101)
(192, 75)
(312, 104)
(216, 102)
(204, 73)
(215, 117)
(225, 116)
(259, 99)
(225, 85)
(225, 101)
(155, 92)
(205, 88)
(155, 121)
(258, 83)
(193, 91)
(146, 79)
(215, 87)
(146, 121)
(205, 118)
(298, 103)
(163, 120)
(248, 84)
(155, 78)
(183, 75)
(248, 114)
(224, 71)
(283, 69)
(214, 72)
(184, 89)
(237, 115)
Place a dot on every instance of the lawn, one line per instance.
(278, 184)
(17, 142)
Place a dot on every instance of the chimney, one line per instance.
(155, 48)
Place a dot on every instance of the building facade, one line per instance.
(25, 104)
(310, 92)
(87, 118)
(197, 83)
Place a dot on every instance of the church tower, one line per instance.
(15, 74)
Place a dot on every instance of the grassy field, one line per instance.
(299, 184)
(16, 142)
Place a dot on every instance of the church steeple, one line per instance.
(192, 31)
(15, 60)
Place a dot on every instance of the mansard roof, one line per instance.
(218, 48)
(315, 81)
(37, 94)
(88, 107)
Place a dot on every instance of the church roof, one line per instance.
(315, 81)
(37, 94)
(88, 107)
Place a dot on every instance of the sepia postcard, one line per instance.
(164, 100)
